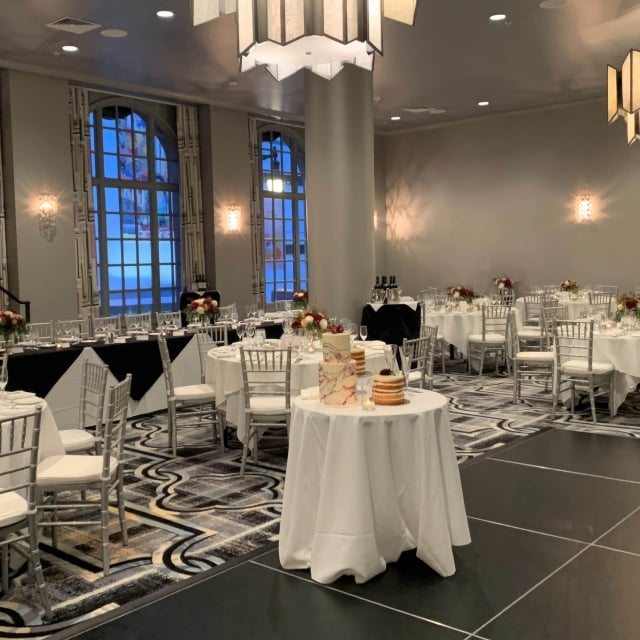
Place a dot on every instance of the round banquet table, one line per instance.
(623, 352)
(224, 372)
(455, 327)
(363, 486)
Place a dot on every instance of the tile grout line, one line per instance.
(542, 533)
(357, 597)
(576, 473)
(556, 570)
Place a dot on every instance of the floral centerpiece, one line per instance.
(628, 304)
(503, 282)
(570, 286)
(461, 293)
(11, 323)
(300, 300)
(202, 309)
(313, 323)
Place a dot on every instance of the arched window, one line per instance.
(134, 164)
(282, 194)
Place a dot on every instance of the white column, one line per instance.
(340, 190)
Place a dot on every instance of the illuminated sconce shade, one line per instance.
(233, 218)
(584, 209)
(623, 94)
(320, 35)
(47, 210)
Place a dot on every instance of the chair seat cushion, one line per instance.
(203, 392)
(533, 334)
(13, 508)
(579, 367)
(536, 356)
(76, 440)
(493, 338)
(71, 470)
(268, 405)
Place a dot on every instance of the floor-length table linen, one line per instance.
(224, 372)
(361, 487)
(623, 352)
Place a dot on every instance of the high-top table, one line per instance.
(363, 486)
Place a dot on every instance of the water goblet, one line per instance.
(240, 330)
(286, 324)
(250, 331)
(364, 332)
(390, 352)
(4, 377)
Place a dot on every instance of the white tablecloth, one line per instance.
(623, 352)
(362, 487)
(23, 403)
(225, 373)
(455, 327)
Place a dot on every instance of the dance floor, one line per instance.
(553, 519)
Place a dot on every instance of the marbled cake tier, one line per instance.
(336, 347)
(338, 383)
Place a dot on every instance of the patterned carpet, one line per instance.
(189, 514)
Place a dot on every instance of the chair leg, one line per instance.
(5, 568)
(37, 566)
(173, 435)
(104, 528)
(122, 515)
(516, 391)
(592, 401)
(611, 407)
(482, 354)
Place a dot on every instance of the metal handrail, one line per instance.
(26, 303)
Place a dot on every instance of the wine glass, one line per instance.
(390, 352)
(240, 329)
(250, 331)
(363, 332)
(286, 324)
(405, 361)
(4, 377)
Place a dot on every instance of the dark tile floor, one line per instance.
(555, 554)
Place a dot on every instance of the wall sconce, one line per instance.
(47, 210)
(584, 209)
(233, 218)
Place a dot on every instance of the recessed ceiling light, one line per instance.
(165, 14)
(483, 103)
(114, 33)
(498, 17)
(70, 48)
(394, 118)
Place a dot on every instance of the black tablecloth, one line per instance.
(38, 371)
(391, 323)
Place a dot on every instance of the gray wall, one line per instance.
(496, 196)
(35, 122)
(231, 183)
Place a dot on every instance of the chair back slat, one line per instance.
(72, 329)
(494, 319)
(107, 324)
(168, 319)
(115, 423)
(419, 353)
(166, 364)
(573, 341)
(93, 387)
(209, 337)
(266, 372)
(138, 321)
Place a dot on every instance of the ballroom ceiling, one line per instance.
(547, 52)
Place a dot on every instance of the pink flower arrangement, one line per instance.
(571, 286)
(202, 308)
(10, 323)
(300, 299)
(461, 293)
(503, 282)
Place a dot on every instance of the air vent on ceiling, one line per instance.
(73, 25)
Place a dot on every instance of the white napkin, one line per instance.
(377, 345)
(20, 394)
(27, 401)
(310, 393)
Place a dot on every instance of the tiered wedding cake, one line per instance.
(388, 388)
(337, 372)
